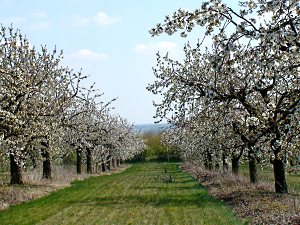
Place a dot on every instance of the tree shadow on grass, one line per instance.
(160, 187)
(156, 194)
(181, 200)
(183, 191)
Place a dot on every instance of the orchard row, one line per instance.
(240, 96)
(45, 113)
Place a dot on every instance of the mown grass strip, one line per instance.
(140, 195)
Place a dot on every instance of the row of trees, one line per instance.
(240, 96)
(45, 113)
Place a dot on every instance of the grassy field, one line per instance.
(140, 195)
(266, 174)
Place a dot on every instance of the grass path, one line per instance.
(137, 196)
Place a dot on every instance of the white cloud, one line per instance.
(166, 46)
(36, 20)
(83, 54)
(43, 25)
(162, 47)
(80, 21)
(39, 20)
(141, 48)
(16, 20)
(100, 19)
(39, 15)
(103, 20)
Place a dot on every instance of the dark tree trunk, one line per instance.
(209, 163)
(47, 172)
(15, 171)
(114, 163)
(278, 165)
(118, 162)
(235, 163)
(103, 167)
(88, 160)
(252, 165)
(206, 164)
(279, 175)
(78, 160)
(46, 161)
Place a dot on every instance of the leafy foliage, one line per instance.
(156, 149)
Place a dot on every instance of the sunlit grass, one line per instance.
(140, 195)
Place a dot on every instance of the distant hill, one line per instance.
(151, 128)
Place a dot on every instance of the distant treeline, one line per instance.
(151, 128)
(156, 150)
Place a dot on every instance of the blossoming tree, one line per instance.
(252, 69)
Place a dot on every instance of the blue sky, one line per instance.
(109, 40)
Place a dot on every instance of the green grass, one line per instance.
(137, 196)
(266, 174)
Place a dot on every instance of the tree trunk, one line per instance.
(279, 175)
(15, 171)
(78, 160)
(235, 163)
(103, 167)
(88, 160)
(279, 164)
(209, 163)
(118, 162)
(46, 165)
(46, 161)
(252, 165)
(97, 167)
(108, 166)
